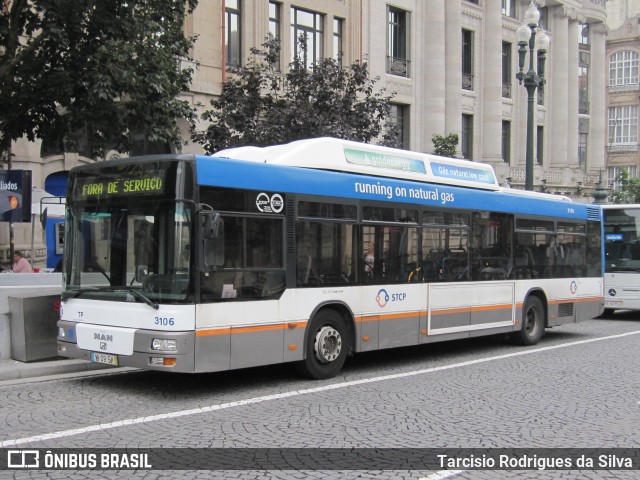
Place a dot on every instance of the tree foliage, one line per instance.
(628, 189)
(94, 71)
(261, 106)
(445, 146)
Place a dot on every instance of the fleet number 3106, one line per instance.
(164, 321)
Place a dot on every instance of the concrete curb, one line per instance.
(15, 370)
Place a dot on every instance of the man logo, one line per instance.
(103, 345)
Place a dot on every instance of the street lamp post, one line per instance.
(526, 35)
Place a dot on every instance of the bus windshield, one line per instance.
(622, 239)
(135, 251)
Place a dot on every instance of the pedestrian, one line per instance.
(20, 264)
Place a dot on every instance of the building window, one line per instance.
(338, 49)
(232, 32)
(583, 89)
(509, 8)
(623, 68)
(274, 28)
(540, 90)
(582, 150)
(307, 36)
(613, 174)
(466, 144)
(583, 39)
(623, 125)
(274, 20)
(399, 118)
(398, 42)
(544, 18)
(467, 59)
(539, 144)
(506, 70)
(506, 141)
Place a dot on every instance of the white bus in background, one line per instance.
(622, 257)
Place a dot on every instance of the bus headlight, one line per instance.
(164, 344)
(61, 332)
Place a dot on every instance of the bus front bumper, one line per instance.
(152, 350)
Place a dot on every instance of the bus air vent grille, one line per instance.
(565, 310)
(593, 213)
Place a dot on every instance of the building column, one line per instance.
(434, 84)
(597, 103)
(573, 94)
(491, 98)
(453, 68)
(559, 88)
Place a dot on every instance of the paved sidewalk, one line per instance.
(15, 370)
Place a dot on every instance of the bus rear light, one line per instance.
(164, 344)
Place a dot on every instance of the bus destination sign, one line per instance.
(123, 183)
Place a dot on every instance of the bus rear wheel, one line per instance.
(327, 346)
(532, 322)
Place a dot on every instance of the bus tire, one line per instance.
(327, 346)
(608, 312)
(533, 320)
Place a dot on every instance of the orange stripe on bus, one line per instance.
(482, 308)
(248, 329)
(576, 300)
(389, 316)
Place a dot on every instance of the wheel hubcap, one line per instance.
(328, 344)
(532, 321)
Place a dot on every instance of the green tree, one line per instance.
(261, 106)
(101, 72)
(628, 189)
(445, 146)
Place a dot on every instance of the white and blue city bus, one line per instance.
(309, 252)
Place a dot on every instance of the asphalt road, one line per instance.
(578, 389)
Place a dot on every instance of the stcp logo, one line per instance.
(382, 298)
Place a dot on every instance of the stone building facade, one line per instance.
(452, 64)
(623, 88)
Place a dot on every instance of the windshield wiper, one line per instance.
(139, 295)
(76, 292)
(136, 293)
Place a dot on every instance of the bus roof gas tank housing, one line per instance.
(335, 154)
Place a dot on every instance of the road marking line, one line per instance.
(295, 393)
(442, 474)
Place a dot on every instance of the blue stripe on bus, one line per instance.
(223, 172)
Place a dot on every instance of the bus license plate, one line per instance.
(612, 303)
(104, 358)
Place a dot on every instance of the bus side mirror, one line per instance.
(210, 225)
(212, 240)
(142, 273)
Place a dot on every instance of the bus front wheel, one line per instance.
(532, 322)
(327, 346)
